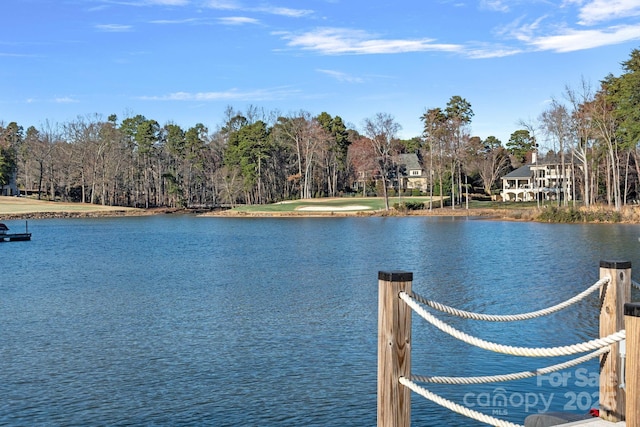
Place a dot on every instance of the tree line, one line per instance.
(257, 157)
(250, 159)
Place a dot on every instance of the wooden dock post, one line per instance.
(394, 349)
(613, 296)
(632, 370)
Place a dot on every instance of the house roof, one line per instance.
(410, 160)
(522, 173)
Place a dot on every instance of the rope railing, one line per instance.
(505, 349)
(511, 317)
(455, 407)
(395, 321)
(510, 377)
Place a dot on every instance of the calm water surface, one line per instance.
(181, 320)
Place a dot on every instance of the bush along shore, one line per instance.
(589, 215)
(546, 213)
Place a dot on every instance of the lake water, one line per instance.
(181, 320)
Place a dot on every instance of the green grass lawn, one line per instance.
(367, 204)
(346, 204)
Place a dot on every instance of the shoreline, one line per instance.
(122, 212)
(12, 208)
(364, 213)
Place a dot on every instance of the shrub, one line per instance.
(573, 215)
(408, 206)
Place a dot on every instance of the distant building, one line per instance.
(541, 180)
(412, 175)
(406, 173)
(10, 189)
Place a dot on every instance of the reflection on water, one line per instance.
(218, 321)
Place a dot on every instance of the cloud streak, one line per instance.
(65, 100)
(237, 20)
(340, 41)
(341, 77)
(141, 3)
(228, 95)
(175, 21)
(495, 5)
(283, 11)
(572, 40)
(598, 23)
(268, 9)
(606, 10)
(114, 28)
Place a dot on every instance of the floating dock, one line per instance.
(14, 237)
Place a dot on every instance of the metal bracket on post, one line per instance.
(622, 349)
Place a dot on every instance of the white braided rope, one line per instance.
(505, 349)
(635, 284)
(511, 317)
(510, 377)
(452, 406)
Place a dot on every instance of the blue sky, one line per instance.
(185, 61)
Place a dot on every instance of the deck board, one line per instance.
(594, 422)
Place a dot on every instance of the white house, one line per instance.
(544, 179)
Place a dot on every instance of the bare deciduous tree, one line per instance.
(382, 130)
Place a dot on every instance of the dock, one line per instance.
(5, 236)
(595, 422)
(15, 237)
(618, 348)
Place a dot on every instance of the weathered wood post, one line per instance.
(613, 296)
(394, 349)
(632, 370)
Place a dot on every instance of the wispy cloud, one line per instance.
(571, 40)
(489, 51)
(65, 100)
(495, 5)
(175, 21)
(223, 4)
(340, 41)
(16, 55)
(98, 8)
(237, 20)
(140, 3)
(283, 11)
(342, 77)
(606, 10)
(522, 32)
(114, 28)
(268, 9)
(605, 19)
(168, 2)
(228, 95)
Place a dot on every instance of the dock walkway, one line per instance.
(15, 237)
(5, 236)
(594, 422)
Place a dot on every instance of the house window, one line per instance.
(415, 173)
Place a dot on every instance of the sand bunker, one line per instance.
(333, 208)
